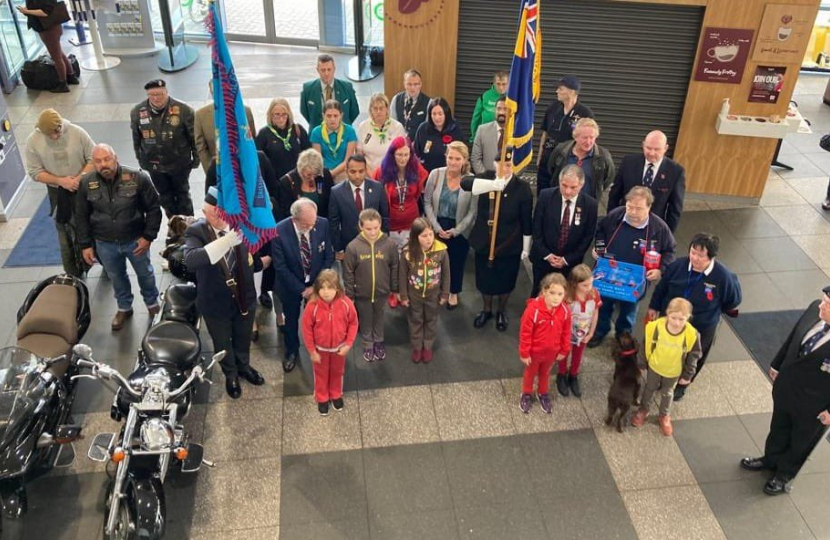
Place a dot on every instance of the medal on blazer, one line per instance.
(577, 216)
(825, 365)
(427, 147)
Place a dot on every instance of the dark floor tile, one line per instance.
(778, 254)
(403, 479)
(350, 529)
(763, 333)
(736, 257)
(692, 223)
(581, 468)
(322, 488)
(300, 382)
(744, 511)
(488, 472)
(810, 498)
(757, 425)
(433, 525)
(500, 522)
(713, 448)
(601, 514)
(750, 223)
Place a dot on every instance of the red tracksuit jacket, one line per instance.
(329, 325)
(544, 334)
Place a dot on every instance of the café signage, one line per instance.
(783, 35)
(723, 54)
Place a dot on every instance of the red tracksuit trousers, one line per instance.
(328, 377)
(540, 369)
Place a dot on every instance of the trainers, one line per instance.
(323, 408)
(545, 403)
(337, 404)
(665, 424)
(120, 318)
(679, 392)
(369, 354)
(426, 356)
(416, 355)
(525, 402)
(562, 385)
(380, 352)
(639, 417)
(573, 382)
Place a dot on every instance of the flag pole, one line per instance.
(497, 194)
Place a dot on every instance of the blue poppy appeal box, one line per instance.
(620, 281)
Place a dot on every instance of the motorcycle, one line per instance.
(153, 401)
(37, 389)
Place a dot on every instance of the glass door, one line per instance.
(10, 42)
(245, 20)
(295, 21)
(31, 43)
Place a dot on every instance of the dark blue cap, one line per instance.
(570, 81)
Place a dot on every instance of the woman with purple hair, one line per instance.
(403, 177)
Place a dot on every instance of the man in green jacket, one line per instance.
(315, 94)
(485, 110)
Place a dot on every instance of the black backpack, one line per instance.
(40, 73)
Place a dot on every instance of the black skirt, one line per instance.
(498, 278)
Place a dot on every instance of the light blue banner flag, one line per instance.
(243, 199)
(525, 87)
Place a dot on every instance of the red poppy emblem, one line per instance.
(709, 295)
(446, 139)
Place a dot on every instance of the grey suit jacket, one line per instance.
(205, 133)
(465, 212)
(485, 148)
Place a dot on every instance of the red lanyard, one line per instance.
(613, 236)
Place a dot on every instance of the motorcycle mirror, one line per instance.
(216, 358)
(83, 351)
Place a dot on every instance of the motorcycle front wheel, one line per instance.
(125, 523)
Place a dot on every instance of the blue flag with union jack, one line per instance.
(243, 200)
(525, 84)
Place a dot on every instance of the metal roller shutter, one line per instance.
(634, 61)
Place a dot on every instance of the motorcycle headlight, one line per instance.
(156, 434)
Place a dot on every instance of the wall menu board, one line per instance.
(722, 54)
(783, 35)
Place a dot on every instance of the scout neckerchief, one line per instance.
(327, 141)
(382, 131)
(286, 141)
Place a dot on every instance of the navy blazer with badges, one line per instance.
(214, 297)
(668, 188)
(311, 101)
(547, 219)
(285, 253)
(801, 386)
(343, 212)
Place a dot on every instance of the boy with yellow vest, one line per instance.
(672, 349)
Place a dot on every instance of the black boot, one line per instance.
(573, 382)
(60, 88)
(562, 385)
(73, 79)
(679, 392)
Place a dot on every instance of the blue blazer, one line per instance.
(285, 252)
(343, 212)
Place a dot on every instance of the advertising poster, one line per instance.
(767, 84)
(723, 54)
(784, 32)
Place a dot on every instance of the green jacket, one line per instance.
(311, 102)
(485, 110)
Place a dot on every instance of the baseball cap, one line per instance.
(49, 121)
(570, 81)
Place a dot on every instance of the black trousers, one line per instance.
(707, 340)
(232, 334)
(457, 248)
(174, 192)
(792, 436)
(540, 270)
(291, 309)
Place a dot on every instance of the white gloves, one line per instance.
(217, 249)
(480, 185)
(526, 240)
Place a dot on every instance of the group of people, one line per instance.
(384, 214)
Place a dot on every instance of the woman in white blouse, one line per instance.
(376, 133)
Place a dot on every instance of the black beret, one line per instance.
(155, 83)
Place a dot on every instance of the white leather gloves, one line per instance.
(480, 185)
(217, 249)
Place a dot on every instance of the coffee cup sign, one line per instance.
(784, 33)
(723, 53)
(785, 29)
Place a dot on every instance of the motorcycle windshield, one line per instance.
(20, 390)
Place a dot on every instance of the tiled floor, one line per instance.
(442, 451)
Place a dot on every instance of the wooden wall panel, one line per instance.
(425, 38)
(721, 164)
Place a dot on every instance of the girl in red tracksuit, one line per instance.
(329, 330)
(544, 338)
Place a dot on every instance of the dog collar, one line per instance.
(629, 352)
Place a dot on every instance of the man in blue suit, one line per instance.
(350, 198)
(300, 251)
(315, 94)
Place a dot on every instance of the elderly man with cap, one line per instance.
(118, 216)
(58, 154)
(800, 374)
(594, 160)
(496, 277)
(558, 125)
(165, 145)
(226, 296)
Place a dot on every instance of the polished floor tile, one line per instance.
(396, 416)
(471, 410)
(672, 513)
(713, 448)
(306, 432)
(745, 387)
(431, 525)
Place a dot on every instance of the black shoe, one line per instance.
(337, 404)
(255, 336)
(323, 408)
(252, 376)
(60, 88)
(573, 382)
(679, 392)
(826, 204)
(501, 321)
(595, 341)
(233, 388)
(482, 318)
(73, 79)
(562, 385)
(289, 362)
(753, 464)
(266, 301)
(776, 486)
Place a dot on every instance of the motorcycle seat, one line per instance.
(50, 328)
(180, 304)
(171, 342)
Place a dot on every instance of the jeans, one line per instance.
(114, 257)
(625, 320)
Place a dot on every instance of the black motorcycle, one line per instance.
(153, 401)
(37, 389)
